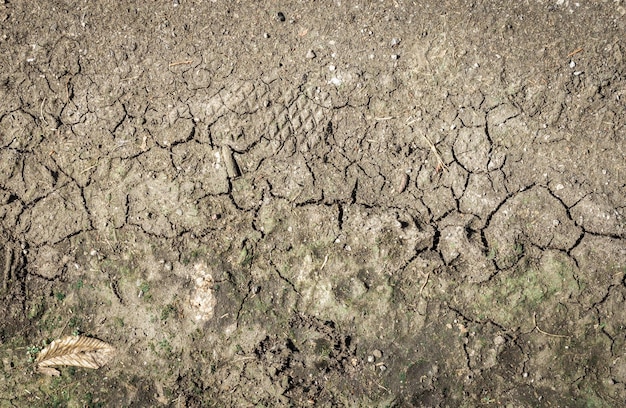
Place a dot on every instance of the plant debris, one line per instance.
(77, 351)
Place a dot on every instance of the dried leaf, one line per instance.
(49, 371)
(77, 351)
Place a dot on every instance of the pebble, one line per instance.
(232, 169)
(280, 16)
(371, 359)
(335, 81)
(377, 353)
(402, 183)
(394, 41)
(310, 54)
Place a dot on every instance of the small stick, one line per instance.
(245, 358)
(380, 386)
(546, 333)
(41, 112)
(576, 51)
(425, 283)
(89, 168)
(185, 62)
(325, 260)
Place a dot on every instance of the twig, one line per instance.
(546, 333)
(576, 51)
(380, 386)
(89, 168)
(245, 358)
(425, 283)
(185, 62)
(324, 263)
(41, 112)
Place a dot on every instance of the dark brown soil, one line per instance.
(415, 204)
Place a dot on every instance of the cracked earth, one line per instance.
(351, 204)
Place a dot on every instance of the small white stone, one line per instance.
(335, 81)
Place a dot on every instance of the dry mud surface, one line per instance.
(315, 203)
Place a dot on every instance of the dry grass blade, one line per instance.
(441, 165)
(77, 351)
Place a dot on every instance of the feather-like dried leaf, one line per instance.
(77, 351)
